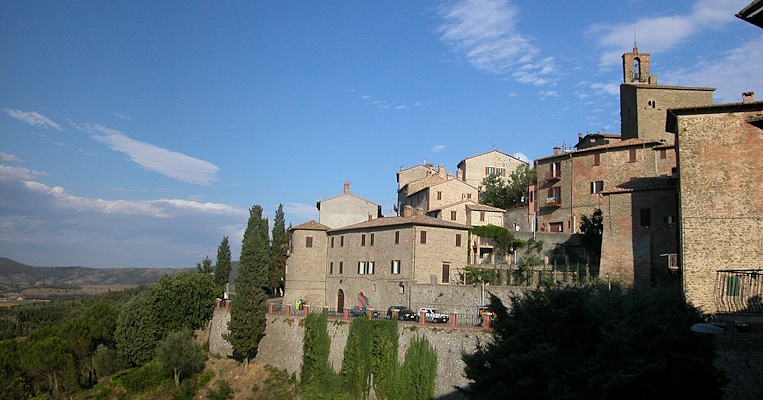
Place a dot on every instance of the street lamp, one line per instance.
(482, 293)
(609, 284)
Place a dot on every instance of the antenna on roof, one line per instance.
(492, 144)
(634, 40)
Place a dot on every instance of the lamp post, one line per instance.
(482, 293)
(609, 284)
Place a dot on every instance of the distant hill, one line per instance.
(16, 276)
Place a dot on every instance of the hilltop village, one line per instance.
(677, 190)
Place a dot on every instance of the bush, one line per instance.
(223, 391)
(107, 361)
(585, 342)
(149, 375)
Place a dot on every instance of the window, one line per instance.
(370, 269)
(331, 268)
(372, 239)
(363, 239)
(468, 196)
(361, 268)
(423, 237)
(670, 219)
(632, 155)
(452, 215)
(500, 171)
(532, 196)
(646, 217)
(556, 227)
(556, 169)
(332, 242)
(341, 267)
(445, 273)
(397, 237)
(439, 195)
(395, 267)
(309, 241)
(489, 170)
(663, 154)
(458, 240)
(482, 215)
(732, 286)
(673, 262)
(597, 159)
(341, 241)
(597, 187)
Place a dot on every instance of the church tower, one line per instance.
(636, 67)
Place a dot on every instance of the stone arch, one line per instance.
(340, 301)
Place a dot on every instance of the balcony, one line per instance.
(739, 291)
(553, 202)
(553, 176)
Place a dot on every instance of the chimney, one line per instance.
(748, 97)
(460, 174)
(652, 80)
(370, 217)
(441, 170)
(580, 136)
(346, 187)
(407, 211)
(557, 150)
(419, 211)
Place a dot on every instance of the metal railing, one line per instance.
(739, 290)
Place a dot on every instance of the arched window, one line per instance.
(636, 70)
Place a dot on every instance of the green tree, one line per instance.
(588, 342)
(247, 315)
(205, 266)
(278, 246)
(180, 354)
(107, 361)
(506, 193)
(415, 378)
(223, 266)
(45, 358)
(186, 299)
(13, 384)
(138, 328)
(593, 229)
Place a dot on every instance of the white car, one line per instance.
(432, 316)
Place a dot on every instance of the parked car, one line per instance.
(403, 313)
(361, 312)
(432, 316)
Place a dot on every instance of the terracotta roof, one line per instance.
(644, 183)
(311, 226)
(623, 143)
(450, 205)
(413, 220)
(482, 207)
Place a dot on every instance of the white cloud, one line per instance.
(549, 93)
(304, 211)
(118, 115)
(662, 33)
(17, 174)
(484, 32)
(8, 158)
(438, 148)
(608, 88)
(737, 71)
(33, 118)
(175, 165)
(522, 157)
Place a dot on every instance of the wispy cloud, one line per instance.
(8, 158)
(522, 157)
(438, 148)
(118, 115)
(33, 118)
(175, 165)
(662, 33)
(548, 93)
(484, 32)
(305, 211)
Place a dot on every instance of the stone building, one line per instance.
(346, 209)
(473, 170)
(719, 214)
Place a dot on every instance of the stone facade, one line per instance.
(346, 209)
(415, 173)
(473, 170)
(720, 212)
(306, 266)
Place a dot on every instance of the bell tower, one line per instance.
(636, 67)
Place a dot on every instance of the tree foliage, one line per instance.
(223, 266)
(247, 315)
(205, 266)
(506, 193)
(180, 354)
(593, 229)
(138, 328)
(587, 342)
(278, 246)
(186, 300)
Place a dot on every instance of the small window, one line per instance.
(670, 219)
(482, 215)
(532, 196)
(632, 155)
(332, 242)
(469, 196)
(556, 227)
(423, 237)
(556, 169)
(341, 267)
(558, 194)
(597, 187)
(646, 217)
(370, 268)
(458, 240)
(309, 241)
(663, 154)
(732, 286)
(395, 266)
(363, 239)
(501, 172)
(489, 170)
(361, 268)
(397, 237)
(439, 195)
(452, 215)
(445, 273)
(597, 159)
(331, 268)
(372, 239)
(341, 241)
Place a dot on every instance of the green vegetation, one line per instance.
(586, 342)
(502, 194)
(247, 315)
(180, 354)
(223, 266)
(592, 229)
(278, 246)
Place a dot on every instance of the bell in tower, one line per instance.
(636, 67)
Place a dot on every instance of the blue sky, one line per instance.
(138, 134)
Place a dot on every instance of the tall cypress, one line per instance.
(223, 267)
(279, 245)
(247, 315)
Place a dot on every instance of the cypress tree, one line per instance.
(223, 266)
(247, 315)
(279, 245)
